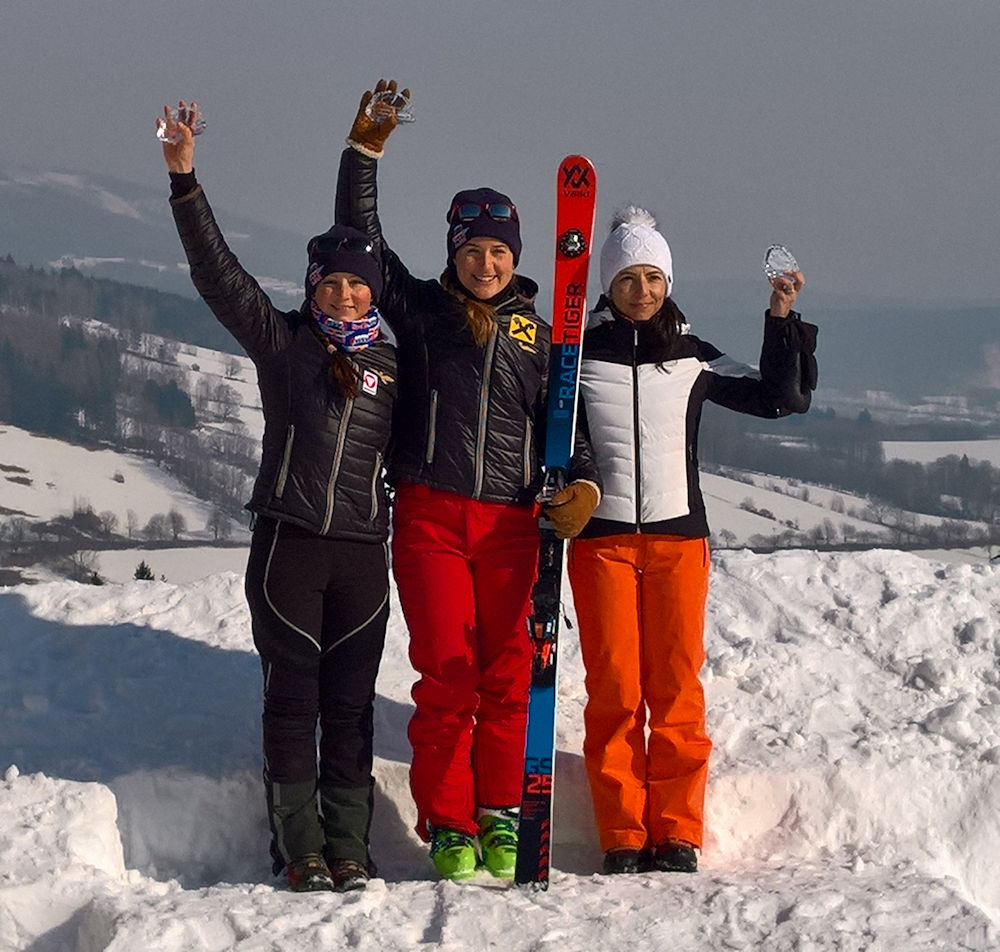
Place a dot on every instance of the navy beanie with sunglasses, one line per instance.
(483, 213)
(344, 249)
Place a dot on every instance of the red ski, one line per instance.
(576, 200)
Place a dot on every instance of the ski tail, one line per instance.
(576, 200)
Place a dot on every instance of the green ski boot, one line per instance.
(453, 854)
(498, 840)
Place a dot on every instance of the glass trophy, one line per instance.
(398, 101)
(167, 131)
(779, 261)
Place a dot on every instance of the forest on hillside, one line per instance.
(64, 372)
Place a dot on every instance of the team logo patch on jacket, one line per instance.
(522, 329)
(369, 382)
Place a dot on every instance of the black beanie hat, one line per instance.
(343, 248)
(487, 214)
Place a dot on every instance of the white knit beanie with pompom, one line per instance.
(634, 240)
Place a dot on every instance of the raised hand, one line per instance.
(784, 290)
(369, 133)
(176, 133)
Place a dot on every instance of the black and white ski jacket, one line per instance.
(641, 403)
(323, 453)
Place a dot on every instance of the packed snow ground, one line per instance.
(854, 801)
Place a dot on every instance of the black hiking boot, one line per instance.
(348, 874)
(625, 860)
(310, 873)
(675, 856)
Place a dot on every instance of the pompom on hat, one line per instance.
(343, 248)
(634, 240)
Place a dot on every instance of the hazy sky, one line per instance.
(864, 135)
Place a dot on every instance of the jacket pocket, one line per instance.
(286, 458)
(431, 427)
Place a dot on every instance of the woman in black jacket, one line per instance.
(473, 363)
(317, 577)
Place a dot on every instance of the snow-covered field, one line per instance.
(978, 451)
(854, 801)
(42, 478)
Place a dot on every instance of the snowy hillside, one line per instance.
(854, 799)
(42, 478)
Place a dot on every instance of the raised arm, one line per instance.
(231, 293)
(356, 202)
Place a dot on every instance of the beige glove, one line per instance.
(368, 135)
(571, 507)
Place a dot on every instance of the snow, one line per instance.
(854, 803)
(978, 451)
(42, 476)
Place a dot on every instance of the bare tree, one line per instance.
(177, 523)
(84, 566)
(726, 538)
(228, 401)
(157, 528)
(17, 532)
(218, 525)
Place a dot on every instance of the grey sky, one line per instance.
(862, 134)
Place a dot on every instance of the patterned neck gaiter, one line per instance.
(349, 336)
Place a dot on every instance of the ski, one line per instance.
(576, 199)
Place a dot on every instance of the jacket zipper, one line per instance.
(527, 451)
(637, 445)
(375, 478)
(484, 403)
(431, 427)
(331, 485)
(286, 459)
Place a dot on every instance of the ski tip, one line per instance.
(577, 178)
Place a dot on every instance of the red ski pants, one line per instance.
(464, 571)
(640, 603)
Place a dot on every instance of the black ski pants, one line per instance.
(319, 609)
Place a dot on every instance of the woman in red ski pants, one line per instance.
(473, 367)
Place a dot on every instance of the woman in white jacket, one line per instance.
(639, 569)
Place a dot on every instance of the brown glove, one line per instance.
(368, 134)
(571, 507)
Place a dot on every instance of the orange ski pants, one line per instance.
(640, 604)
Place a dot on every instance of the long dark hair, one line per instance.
(344, 376)
(666, 324)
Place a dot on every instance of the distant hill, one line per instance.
(113, 229)
(910, 350)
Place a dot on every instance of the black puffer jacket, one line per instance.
(470, 418)
(323, 453)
